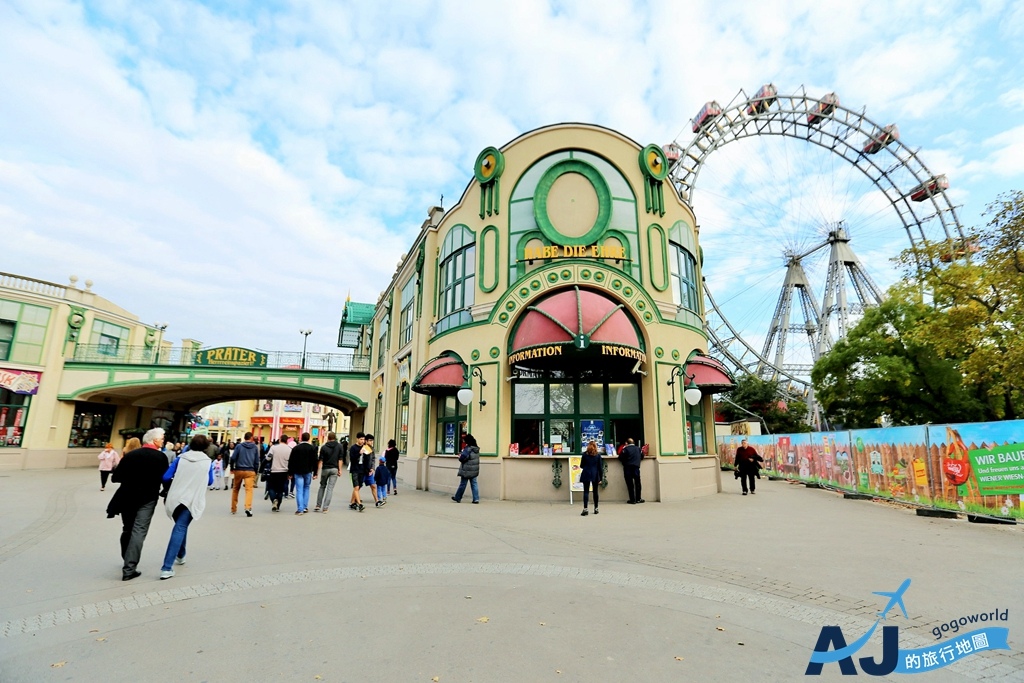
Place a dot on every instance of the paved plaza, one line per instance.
(726, 588)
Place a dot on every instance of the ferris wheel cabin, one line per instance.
(826, 105)
(932, 186)
(888, 134)
(708, 112)
(762, 100)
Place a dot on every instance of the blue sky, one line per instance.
(236, 168)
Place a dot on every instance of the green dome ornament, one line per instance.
(654, 165)
(490, 164)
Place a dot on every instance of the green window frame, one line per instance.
(13, 417)
(7, 329)
(456, 282)
(696, 437)
(407, 316)
(684, 278)
(108, 338)
(566, 403)
(452, 419)
(22, 331)
(378, 411)
(402, 423)
(384, 329)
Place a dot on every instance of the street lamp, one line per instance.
(465, 395)
(305, 337)
(160, 341)
(691, 394)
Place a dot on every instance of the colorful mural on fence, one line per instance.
(976, 468)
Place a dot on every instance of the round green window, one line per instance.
(604, 203)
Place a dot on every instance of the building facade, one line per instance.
(39, 323)
(562, 295)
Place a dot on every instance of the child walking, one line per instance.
(382, 477)
(218, 473)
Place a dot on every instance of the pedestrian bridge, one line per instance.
(186, 378)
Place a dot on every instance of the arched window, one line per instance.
(456, 282)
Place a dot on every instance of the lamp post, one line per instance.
(160, 340)
(305, 337)
(465, 395)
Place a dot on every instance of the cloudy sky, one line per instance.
(236, 168)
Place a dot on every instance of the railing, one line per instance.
(27, 284)
(276, 360)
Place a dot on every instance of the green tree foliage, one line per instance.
(764, 398)
(959, 356)
(884, 368)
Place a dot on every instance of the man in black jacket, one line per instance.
(302, 470)
(332, 456)
(631, 457)
(139, 474)
(355, 468)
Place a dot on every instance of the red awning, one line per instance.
(711, 376)
(443, 375)
(575, 322)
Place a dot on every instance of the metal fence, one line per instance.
(276, 360)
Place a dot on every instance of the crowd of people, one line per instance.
(289, 467)
(182, 474)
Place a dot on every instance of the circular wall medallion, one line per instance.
(599, 277)
(653, 162)
(585, 274)
(574, 197)
(475, 355)
(552, 277)
(510, 305)
(675, 354)
(628, 291)
(494, 352)
(641, 305)
(535, 284)
(648, 316)
(503, 317)
(659, 352)
(489, 165)
(524, 291)
(617, 284)
(566, 274)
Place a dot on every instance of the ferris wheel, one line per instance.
(780, 212)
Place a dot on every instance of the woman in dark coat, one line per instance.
(469, 469)
(590, 464)
(748, 464)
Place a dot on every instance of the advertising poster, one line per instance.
(575, 471)
(893, 463)
(592, 430)
(978, 467)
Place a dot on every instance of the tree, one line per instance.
(978, 286)
(956, 358)
(884, 368)
(765, 399)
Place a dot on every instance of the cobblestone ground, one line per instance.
(718, 589)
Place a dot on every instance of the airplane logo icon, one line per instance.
(895, 599)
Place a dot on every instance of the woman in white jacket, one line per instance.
(191, 474)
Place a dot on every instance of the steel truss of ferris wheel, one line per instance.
(916, 195)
